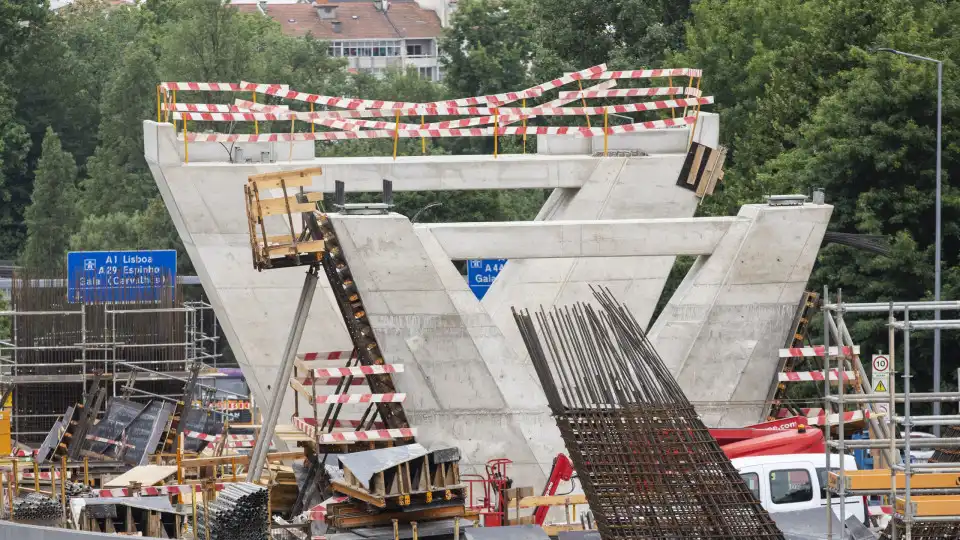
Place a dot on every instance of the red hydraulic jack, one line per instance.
(489, 491)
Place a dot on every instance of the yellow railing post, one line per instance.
(423, 140)
(693, 130)
(313, 124)
(496, 131)
(186, 149)
(686, 92)
(396, 136)
(36, 476)
(673, 110)
(173, 104)
(583, 101)
(158, 103)
(293, 121)
(524, 117)
(256, 125)
(86, 471)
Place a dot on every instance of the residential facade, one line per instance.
(373, 36)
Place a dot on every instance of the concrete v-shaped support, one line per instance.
(468, 378)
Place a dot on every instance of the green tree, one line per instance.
(488, 47)
(52, 215)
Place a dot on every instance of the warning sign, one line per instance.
(880, 387)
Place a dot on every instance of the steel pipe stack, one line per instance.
(648, 464)
(923, 530)
(36, 507)
(238, 513)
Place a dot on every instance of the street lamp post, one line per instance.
(936, 268)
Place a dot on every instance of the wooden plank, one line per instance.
(363, 519)
(554, 500)
(304, 248)
(557, 528)
(239, 460)
(708, 171)
(356, 493)
(271, 207)
(300, 178)
(145, 475)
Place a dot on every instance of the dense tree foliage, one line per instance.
(803, 105)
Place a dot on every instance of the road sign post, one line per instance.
(95, 277)
(481, 273)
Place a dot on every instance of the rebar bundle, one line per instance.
(238, 513)
(947, 455)
(36, 507)
(648, 464)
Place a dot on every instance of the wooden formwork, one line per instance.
(293, 247)
(422, 480)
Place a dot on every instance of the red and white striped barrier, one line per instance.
(319, 512)
(358, 371)
(646, 73)
(214, 438)
(834, 419)
(418, 133)
(310, 430)
(154, 491)
(333, 381)
(818, 350)
(390, 397)
(43, 475)
(880, 510)
(492, 114)
(334, 355)
(201, 87)
(630, 92)
(108, 441)
(802, 376)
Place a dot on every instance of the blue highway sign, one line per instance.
(481, 273)
(95, 277)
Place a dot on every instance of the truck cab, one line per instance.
(788, 482)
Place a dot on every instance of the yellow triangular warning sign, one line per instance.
(880, 387)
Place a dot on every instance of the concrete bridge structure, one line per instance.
(618, 222)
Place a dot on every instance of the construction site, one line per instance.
(340, 378)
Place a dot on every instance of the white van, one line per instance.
(788, 482)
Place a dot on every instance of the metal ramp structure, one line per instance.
(326, 381)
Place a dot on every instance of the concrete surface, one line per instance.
(469, 380)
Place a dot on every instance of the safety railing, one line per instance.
(495, 115)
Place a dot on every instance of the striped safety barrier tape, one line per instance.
(418, 133)
(332, 381)
(358, 370)
(333, 355)
(802, 376)
(308, 427)
(390, 397)
(630, 92)
(214, 438)
(108, 441)
(646, 73)
(833, 419)
(154, 491)
(818, 350)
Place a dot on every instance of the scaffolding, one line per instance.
(913, 489)
(56, 348)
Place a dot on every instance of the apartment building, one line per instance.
(372, 35)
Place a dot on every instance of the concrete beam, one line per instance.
(563, 239)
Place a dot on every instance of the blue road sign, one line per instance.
(120, 276)
(481, 273)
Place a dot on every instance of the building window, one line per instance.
(365, 48)
(426, 73)
(790, 486)
(414, 50)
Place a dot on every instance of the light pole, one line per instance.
(936, 267)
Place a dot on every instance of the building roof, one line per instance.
(358, 20)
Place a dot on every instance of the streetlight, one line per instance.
(424, 209)
(936, 292)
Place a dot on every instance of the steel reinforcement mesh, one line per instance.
(648, 465)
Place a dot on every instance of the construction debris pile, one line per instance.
(35, 507)
(648, 464)
(238, 513)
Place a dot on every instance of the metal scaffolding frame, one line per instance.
(888, 441)
(108, 356)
